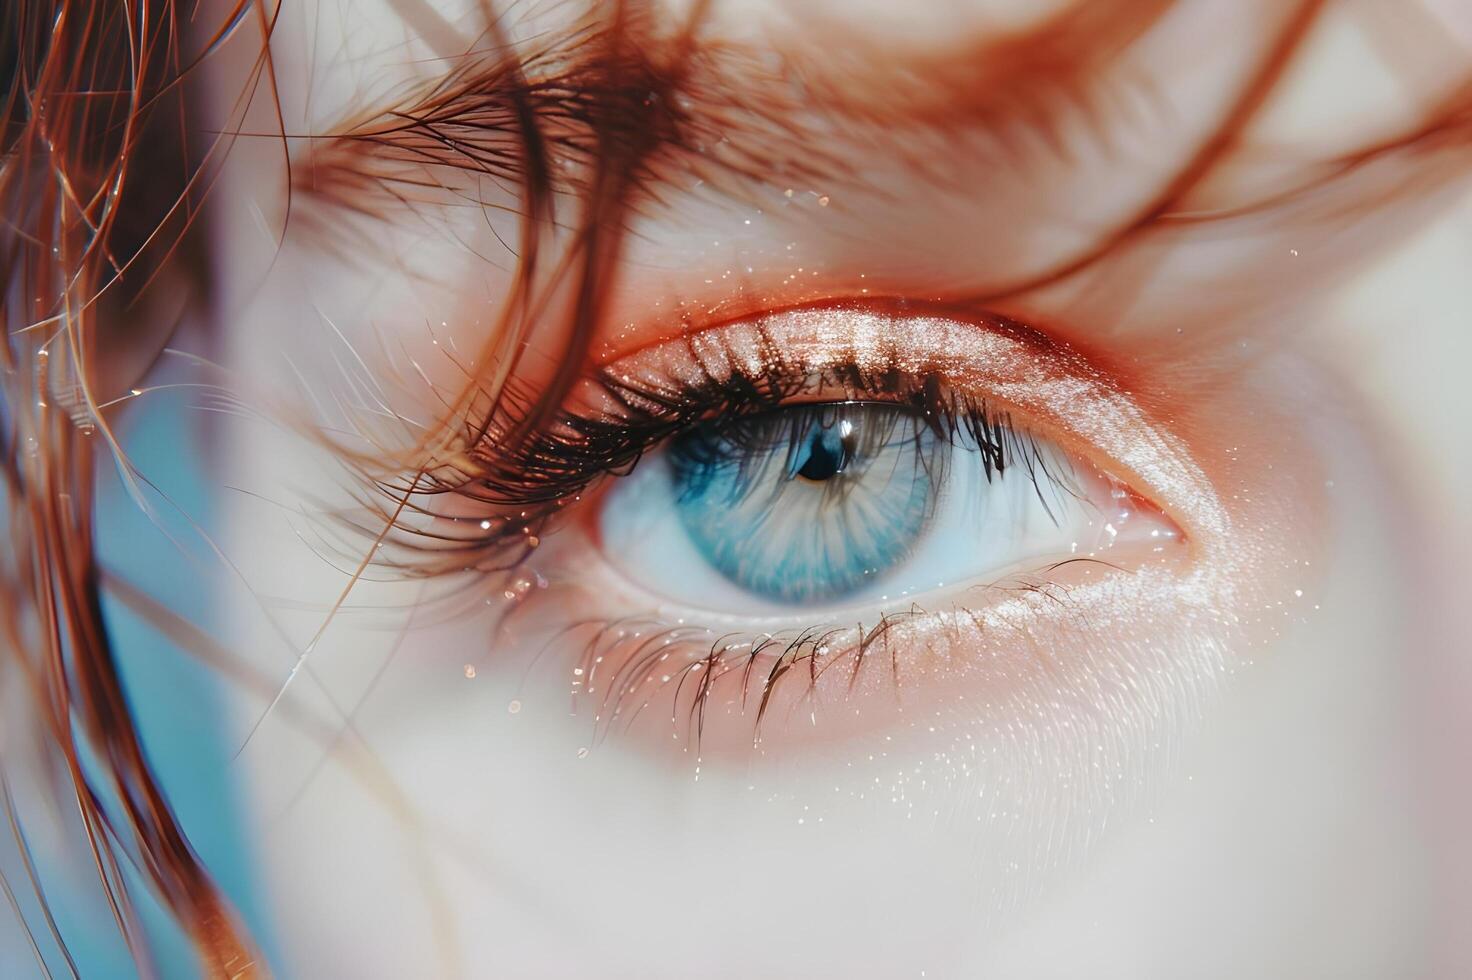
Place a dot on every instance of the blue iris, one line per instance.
(808, 503)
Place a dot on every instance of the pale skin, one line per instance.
(419, 799)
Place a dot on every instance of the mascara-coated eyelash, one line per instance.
(487, 505)
(614, 418)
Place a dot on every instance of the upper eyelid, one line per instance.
(632, 406)
(688, 329)
(638, 404)
(1064, 396)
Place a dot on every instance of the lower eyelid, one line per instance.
(1002, 653)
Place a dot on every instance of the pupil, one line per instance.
(828, 454)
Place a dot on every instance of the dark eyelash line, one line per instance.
(515, 488)
(799, 653)
(747, 445)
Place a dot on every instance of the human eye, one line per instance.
(834, 502)
(861, 487)
(848, 521)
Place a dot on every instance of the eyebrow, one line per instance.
(723, 113)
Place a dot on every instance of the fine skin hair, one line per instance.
(114, 132)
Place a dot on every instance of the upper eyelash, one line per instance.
(968, 423)
(517, 486)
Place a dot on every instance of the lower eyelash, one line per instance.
(629, 664)
(653, 660)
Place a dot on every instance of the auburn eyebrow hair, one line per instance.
(628, 87)
(643, 104)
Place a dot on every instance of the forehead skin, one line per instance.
(1346, 89)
